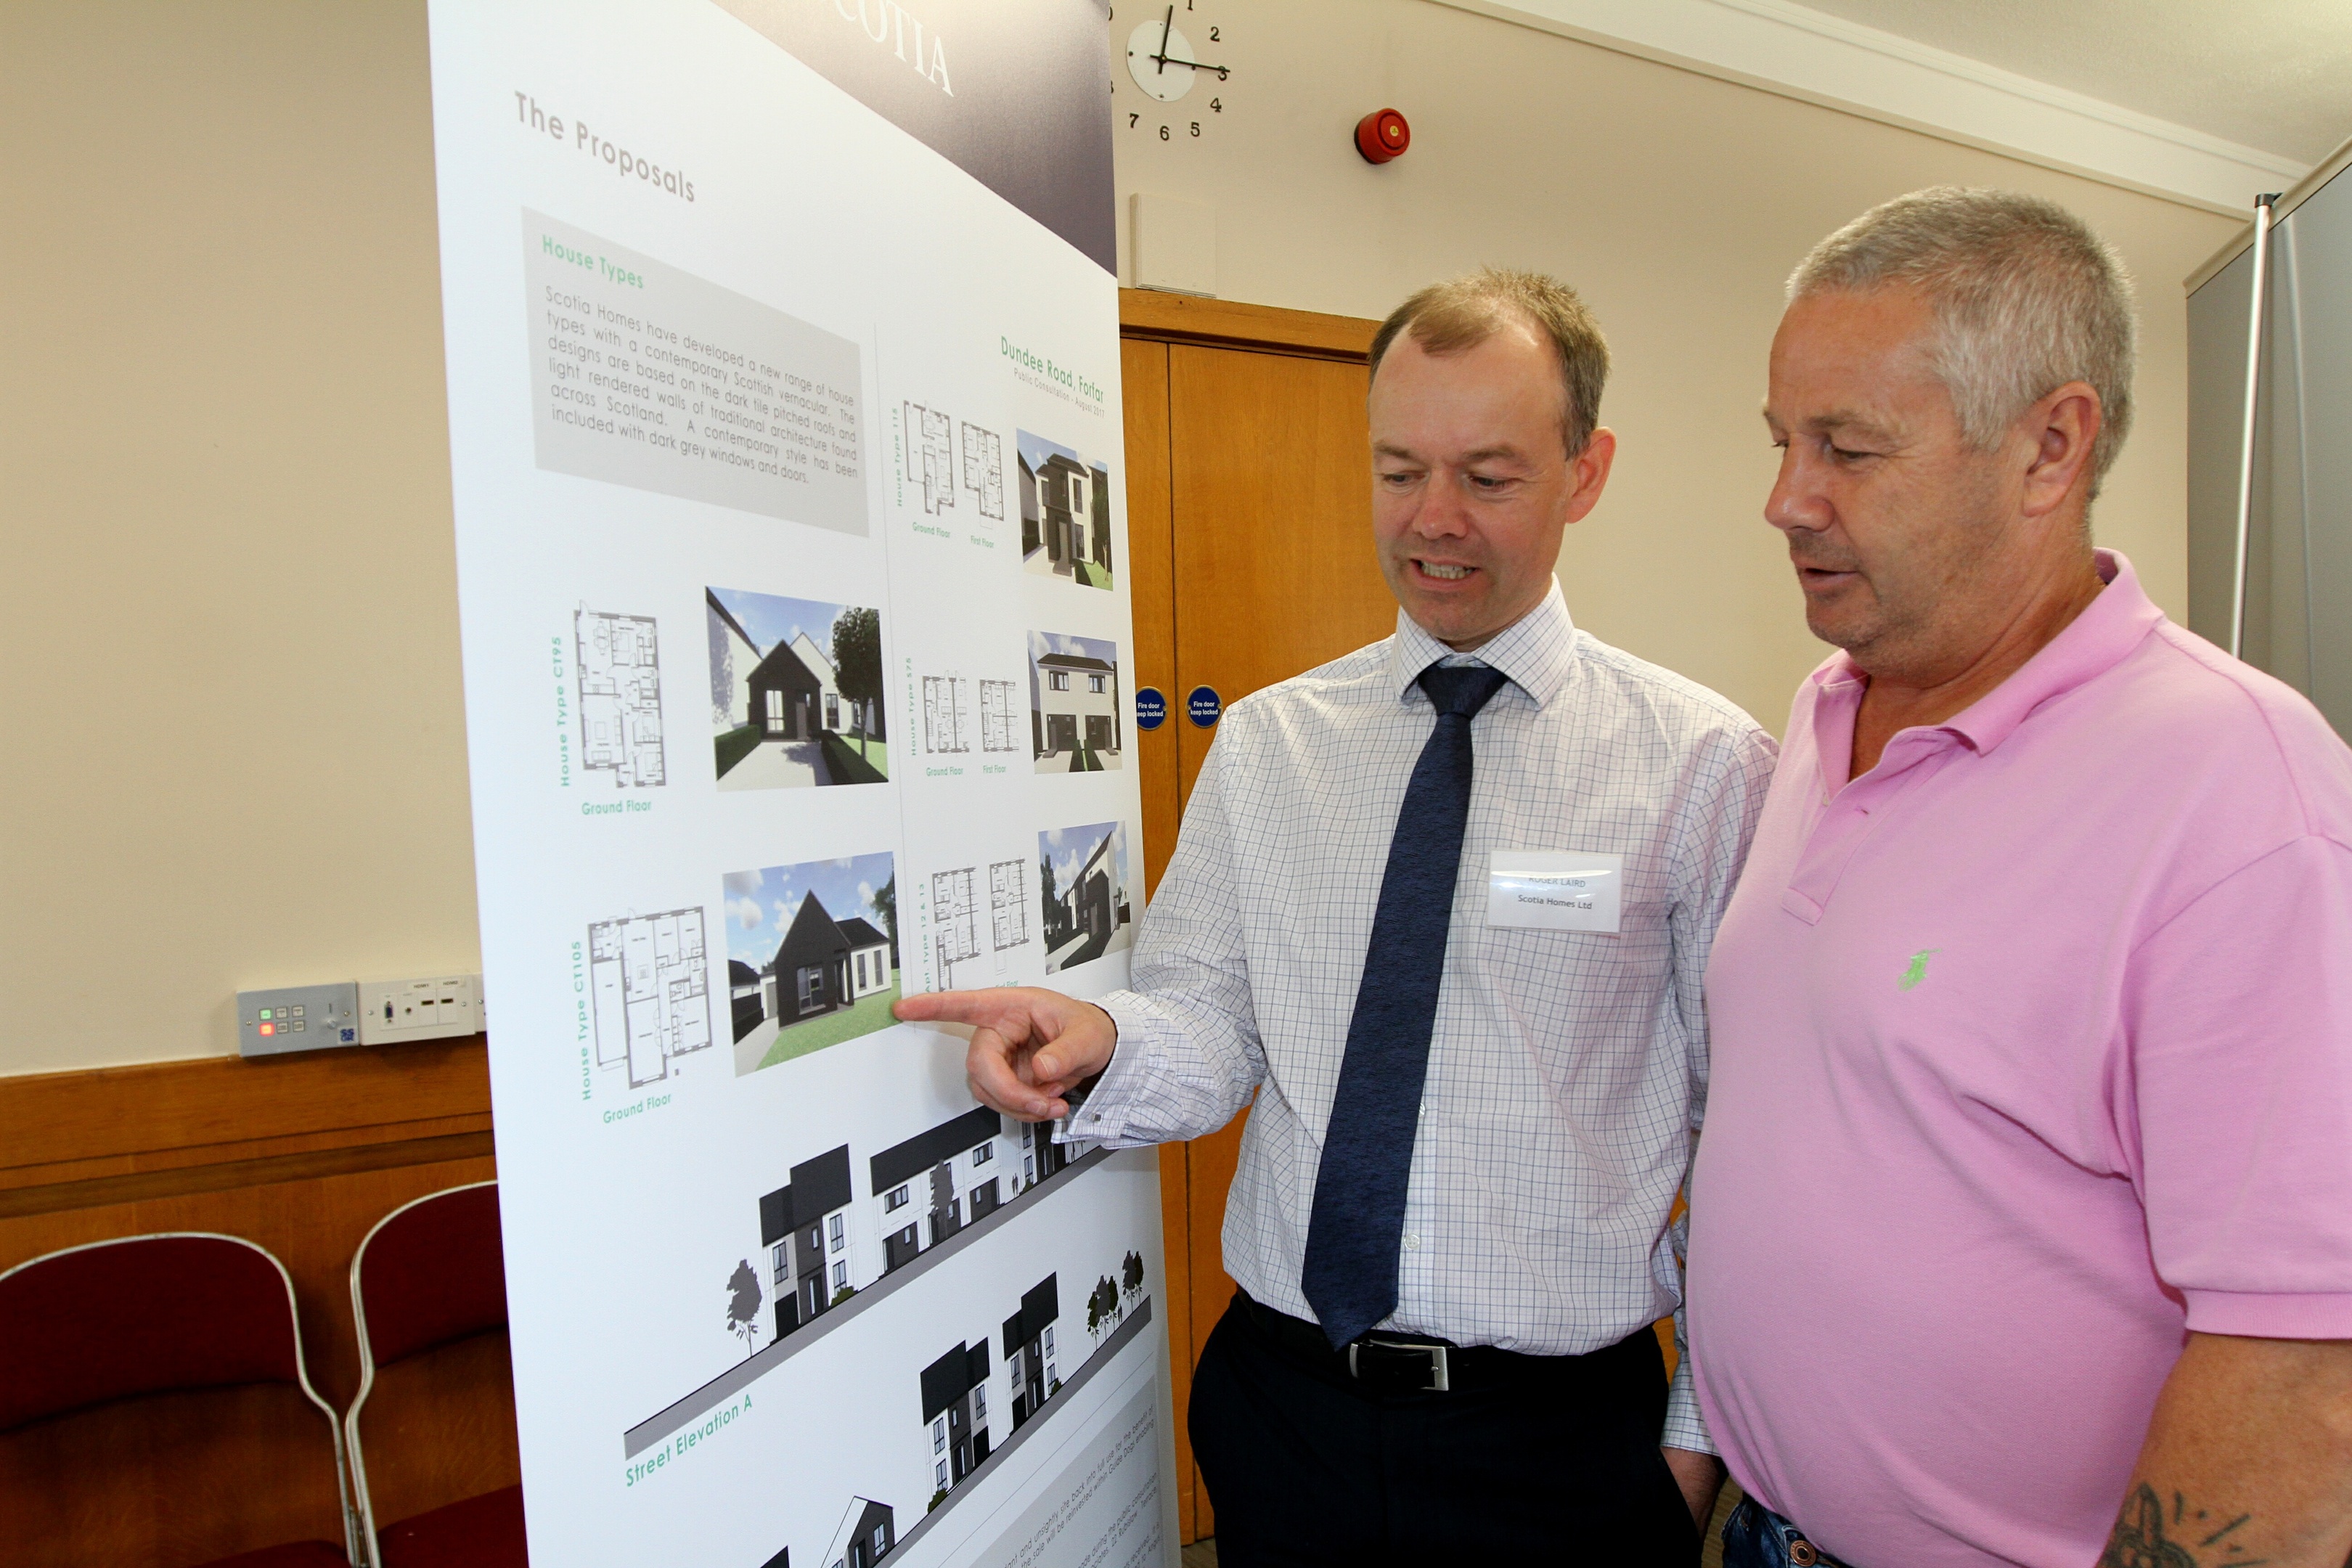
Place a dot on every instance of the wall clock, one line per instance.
(1174, 60)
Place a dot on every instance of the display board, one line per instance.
(783, 400)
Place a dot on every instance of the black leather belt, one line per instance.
(1383, 1362)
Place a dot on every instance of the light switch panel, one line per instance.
(296, 1018)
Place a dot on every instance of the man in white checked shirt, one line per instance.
(1494, 1094)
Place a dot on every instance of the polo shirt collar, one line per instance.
(1536, 653)
(2095, 642)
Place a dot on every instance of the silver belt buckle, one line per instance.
(1440, 1381)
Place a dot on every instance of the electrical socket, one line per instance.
(427, 1009)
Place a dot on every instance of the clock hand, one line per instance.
(1167, 27)
(1197, 66)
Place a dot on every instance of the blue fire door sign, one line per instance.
(1150, 708)
(1205, 706)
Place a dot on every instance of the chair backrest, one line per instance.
(140, 1315)
(430, 1273)
(146, 1314)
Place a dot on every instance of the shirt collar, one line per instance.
(1535, 652)
(2092, 643)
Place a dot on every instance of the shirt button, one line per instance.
(1413, 1241)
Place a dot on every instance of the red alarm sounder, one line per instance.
(1382, 135)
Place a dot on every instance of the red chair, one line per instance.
(431, 1274)
(154, 1315)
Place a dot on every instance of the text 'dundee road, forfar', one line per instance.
(647, 376)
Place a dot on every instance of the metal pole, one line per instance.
(2246, 439)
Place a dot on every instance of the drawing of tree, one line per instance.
(743, 1305)
(857, 666)
(1130, 1274)
(885, 904)
(1102, 1307)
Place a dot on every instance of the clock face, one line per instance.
(1161, 60)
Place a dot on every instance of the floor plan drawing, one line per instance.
(620, 697)
(996, 722)
(955, 920)
(650, 980)
(947, 713)
(931, 457)
(983, 470)
(1008, 906)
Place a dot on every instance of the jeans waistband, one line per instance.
(1755, 1537)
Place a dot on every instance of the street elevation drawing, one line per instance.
(795, 692)
(1065, 513)
(648, 976)
(620, 696)
(811, 956)
(1075, 726)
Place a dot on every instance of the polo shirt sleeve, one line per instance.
(2236, 1106)
(1189, 1056)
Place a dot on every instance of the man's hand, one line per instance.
(1701, 1477)
(1030, 1047)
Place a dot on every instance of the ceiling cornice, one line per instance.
(1804, 54)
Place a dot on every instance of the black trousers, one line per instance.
(1527, 1458)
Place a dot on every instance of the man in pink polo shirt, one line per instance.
(2023, 1222)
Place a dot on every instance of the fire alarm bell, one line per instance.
(1382, 135)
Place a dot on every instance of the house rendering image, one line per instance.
(810, 959)
(1065, 513)
(795, 692)
(805, 1226)
(1087, 908)
(930, 1186)
(1073, 704)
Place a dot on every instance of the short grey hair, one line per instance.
(2026, 299)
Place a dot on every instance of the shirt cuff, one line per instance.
(2264, 1315)
(1111, 1103)
(1685, 1427)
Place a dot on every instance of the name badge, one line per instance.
(1549, 889)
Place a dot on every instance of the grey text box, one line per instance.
(647, 376)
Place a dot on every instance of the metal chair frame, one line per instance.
(344, 1467)
(365, 1506)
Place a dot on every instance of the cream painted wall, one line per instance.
(234, 747)
(235, 743)
(1677, 204)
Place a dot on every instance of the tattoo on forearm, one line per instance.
(2145, 1538)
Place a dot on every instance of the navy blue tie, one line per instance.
(1352, 1237)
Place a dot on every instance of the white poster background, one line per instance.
(626, 1207)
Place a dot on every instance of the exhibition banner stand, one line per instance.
(785, 450)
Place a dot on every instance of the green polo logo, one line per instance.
(1918, 968)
